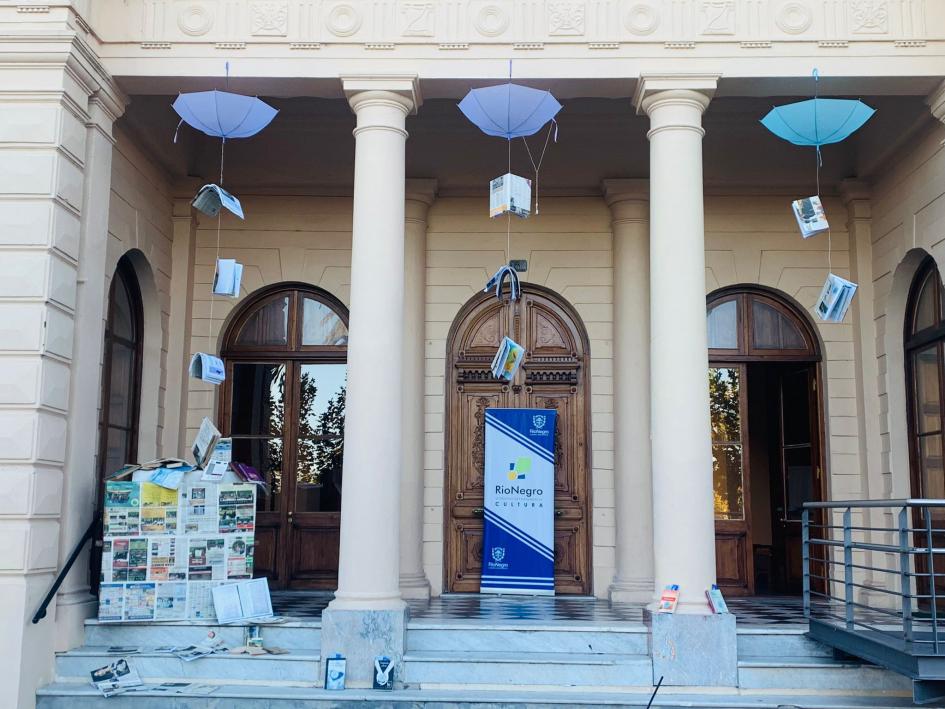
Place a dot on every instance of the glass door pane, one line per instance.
(727, 452)
(322, 389)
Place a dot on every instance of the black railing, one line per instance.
(89, 534)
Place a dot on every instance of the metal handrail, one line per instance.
(89, 534)
(880, 579)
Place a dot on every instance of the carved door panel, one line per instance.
(553, 376)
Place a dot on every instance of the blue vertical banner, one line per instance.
(518, 537)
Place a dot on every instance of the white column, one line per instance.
(629, 202)
(368, 572)
(413, 580)
(683, 517)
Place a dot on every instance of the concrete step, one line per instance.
(75, 696)
(298, 668)
(818, 673)
(291, 635)
(519, 669)
(772, 642)
(446, 636)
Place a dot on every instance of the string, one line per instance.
(508, 215)
(541, 158)
(216, 260)
(819, 161)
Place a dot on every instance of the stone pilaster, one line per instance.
(413, 580)
(55, 147)
(629, 202)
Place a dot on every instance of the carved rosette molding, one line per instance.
(522, 24)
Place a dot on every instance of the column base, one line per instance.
(415, 586)
(638, 590)
(695, 650)
(362, 635)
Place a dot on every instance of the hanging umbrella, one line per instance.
(817, 121)
(222, 114)
(509, 110)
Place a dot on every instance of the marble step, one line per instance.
(777, 642)
(291, 635)
(298, 667)
(473, 668)
(75, 696)
(816, 673)
(429, 637)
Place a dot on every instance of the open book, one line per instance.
(211, 198)
(207, 367)
(242, 601)
(226, 279)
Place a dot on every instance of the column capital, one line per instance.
(936, 102)
(625, 189)
(699, 88)
(855, 195)
(403, 89)
(421, 189)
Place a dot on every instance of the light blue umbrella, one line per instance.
(509, 110)
(223, 114)
(817, 121)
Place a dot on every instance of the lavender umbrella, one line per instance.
(224, 115)
(509, 110)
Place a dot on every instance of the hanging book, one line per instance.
(810, 215)
(835, 298)
(207, 367)
(211, 198)
(507, 360)
(510, 193)
(227, 277)
(207, 438)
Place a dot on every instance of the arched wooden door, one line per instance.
(554, 375)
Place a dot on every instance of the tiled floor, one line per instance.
(756, 611)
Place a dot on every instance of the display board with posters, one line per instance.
(164, 550)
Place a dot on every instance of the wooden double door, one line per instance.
(554, 375)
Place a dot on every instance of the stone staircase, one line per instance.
(475, 664)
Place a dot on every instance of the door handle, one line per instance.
(559, 513)
(478, 512)
(291, 517)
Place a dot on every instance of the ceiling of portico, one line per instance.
(309, 147)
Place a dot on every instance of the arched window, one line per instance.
(121, 372)
(283, 405)
(925, 359)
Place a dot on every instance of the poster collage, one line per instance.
(164, 550)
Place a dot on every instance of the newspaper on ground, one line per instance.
(115, 678)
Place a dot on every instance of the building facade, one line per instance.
(663, 240)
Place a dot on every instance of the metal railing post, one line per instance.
(931, 556)
(905, 584)
(805, 558)
(848, 566)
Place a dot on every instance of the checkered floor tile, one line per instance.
(755, 611)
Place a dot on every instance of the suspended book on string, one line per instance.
(211, 198)
(510, 193)
(207, 367)
(810, 215)
(226, 280)
(835, 298)
(507, 359)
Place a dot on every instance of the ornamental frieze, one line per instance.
(456, 25)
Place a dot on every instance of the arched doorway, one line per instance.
(554, 375)
(764, 392)
(283, 404)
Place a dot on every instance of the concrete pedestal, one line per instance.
(691, 649)
(362, 635)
